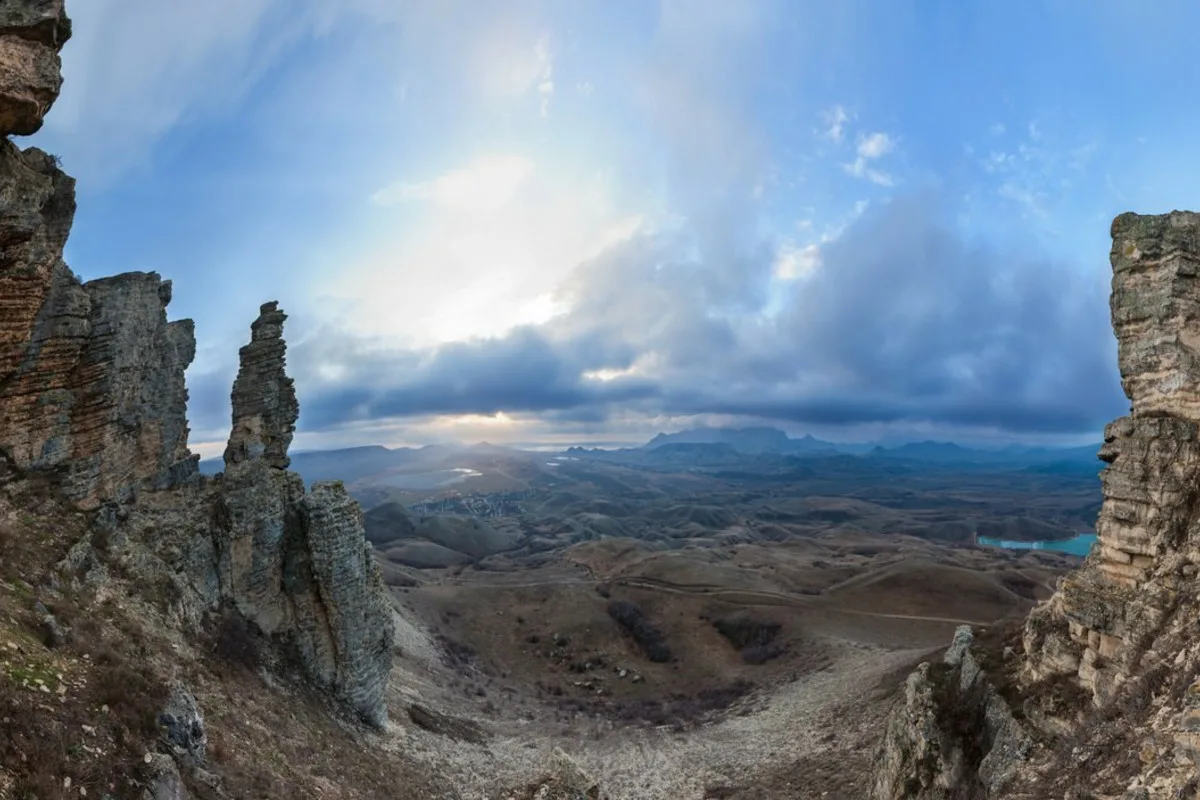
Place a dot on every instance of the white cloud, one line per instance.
(461, 273)
(996, 161)
(540, 309)
(875, 145)
(859, 169)
(871, 148)
(793, 262)
(485, 185)
(545, 84)
(135, 69)
(835, 120)
(1032, 201)
(997, 129)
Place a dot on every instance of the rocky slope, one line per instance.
(1104, 680)
(92, 394)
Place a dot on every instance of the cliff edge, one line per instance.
(1105, 675)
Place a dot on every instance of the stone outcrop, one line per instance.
(952, 735)
(31, 34)
(1105, 616)
(297, 564)
(91, 375)
(264, 398)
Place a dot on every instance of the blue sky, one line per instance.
(537, 221)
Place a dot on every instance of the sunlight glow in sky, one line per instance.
(546, 222)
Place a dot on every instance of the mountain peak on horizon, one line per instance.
(752, 439)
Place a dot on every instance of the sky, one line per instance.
(578, 221)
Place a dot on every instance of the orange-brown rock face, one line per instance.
(1107, 615)
(31, 34)
(91, 375)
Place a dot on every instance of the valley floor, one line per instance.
(530, 661)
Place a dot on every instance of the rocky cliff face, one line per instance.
(92, 392)
(1108, 680)
(91, 375)
(297, 564)
(1105, 616)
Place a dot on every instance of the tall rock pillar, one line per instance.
(298, 564)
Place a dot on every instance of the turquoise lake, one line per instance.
(1079, 546)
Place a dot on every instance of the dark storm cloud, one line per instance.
(523, 371)
(903, 322)
(905, 309)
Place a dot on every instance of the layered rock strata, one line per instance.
(264, 398)
(31, 34)
(1105, 616)
(91, 375)
(298, 564)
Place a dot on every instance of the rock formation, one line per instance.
(298, 565)
(264, 400)
(1106, 615)
(31, 34)
(91, 375)
(92, 392)
(952, 735)
(1111, 660)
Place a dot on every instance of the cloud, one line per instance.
(1040, 171)
(875, 145)
(138, 71)
(545, 78)
(904, 322)
(871, 148)
(484, 185)
(835, 120)
(792, 262)
(135, 69)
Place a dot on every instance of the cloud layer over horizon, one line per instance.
(539, 223)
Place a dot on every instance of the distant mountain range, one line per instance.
(761, 440)
(697, 447)
(747, 440)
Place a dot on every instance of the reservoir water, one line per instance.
(1078, 546)
(429, 480)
